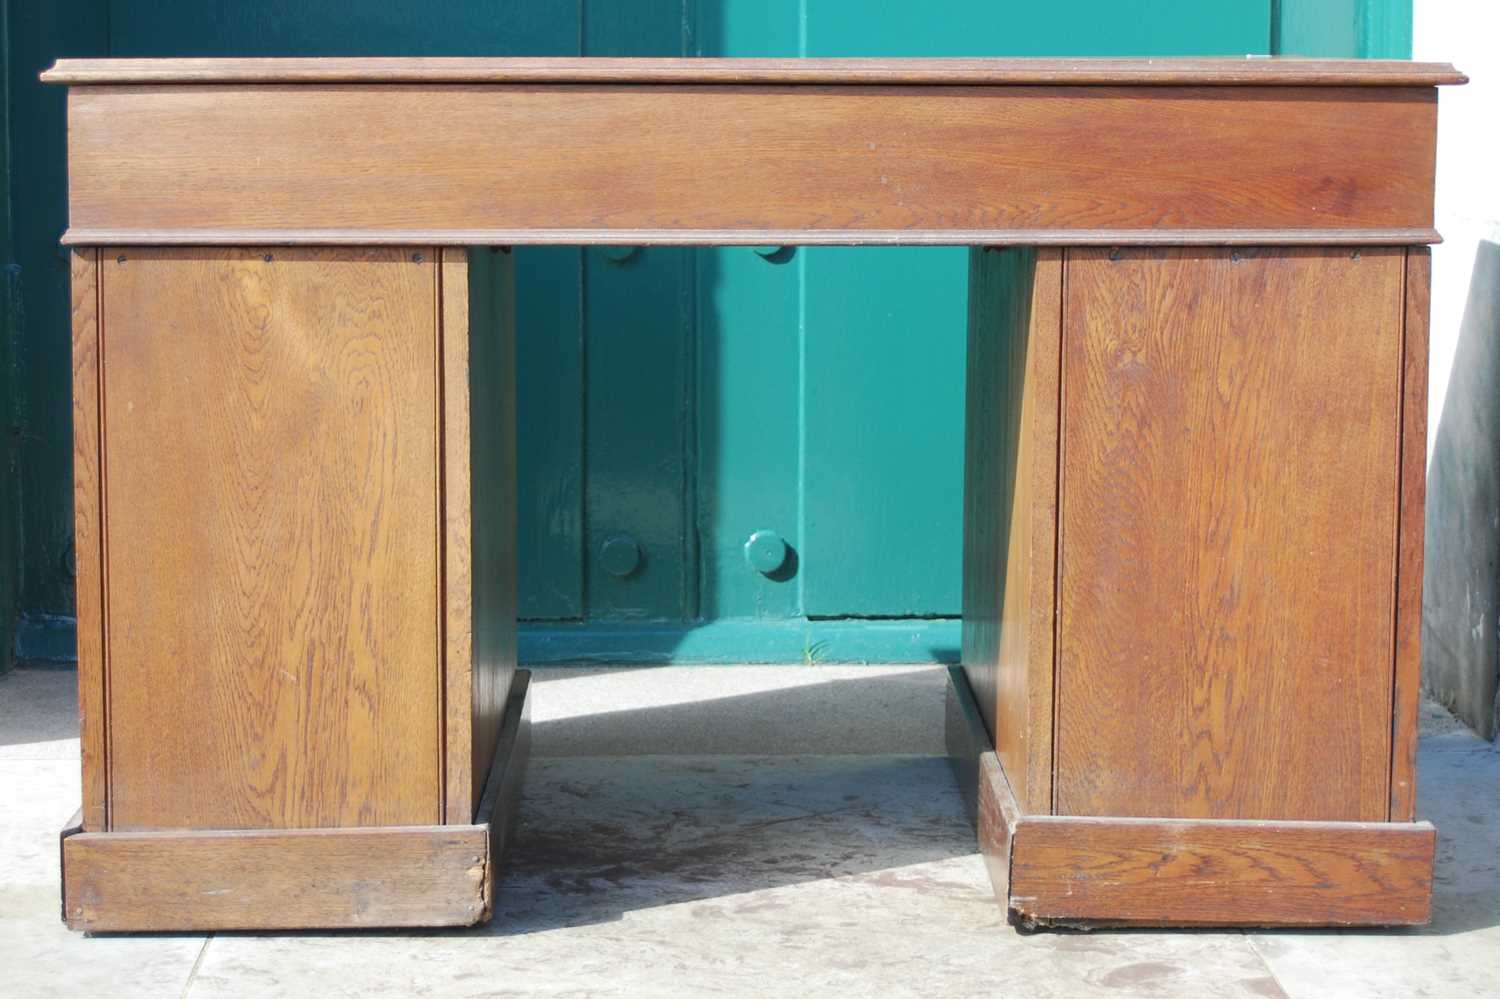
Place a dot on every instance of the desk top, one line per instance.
(759, 151)
(904, 72)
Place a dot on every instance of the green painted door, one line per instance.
(832, 378)
(673, 402)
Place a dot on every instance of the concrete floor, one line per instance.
(742, 831)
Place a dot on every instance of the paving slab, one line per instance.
(1458, 954)
(39, 957)
(741, 876)
(698, 831)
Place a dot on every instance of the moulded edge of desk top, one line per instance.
(903, 72)
(77, 236)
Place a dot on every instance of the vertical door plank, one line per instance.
(550, 349)
(1010, 507)
(1407, 697)
(88, 539)
(967, 27)
(638, 323)
(640, 359)
(272, 513)
(1229, 490)
(749, 416)
(750, 342)
(883, 458)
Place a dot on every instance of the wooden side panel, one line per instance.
(1407, 697)
(1228, 515)
(500, 805)
(461, 772)
(186, 880)
(1185, 873)
(88, 540)
(533, 163)
(492, 408)
(985, 449)
(1085, 871)
(277, 879)
(1010, 507)
(479, 486)
(987, 794)
(273, 523)
(965, 738)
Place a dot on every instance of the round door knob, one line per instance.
(620, 555)
(765, 551)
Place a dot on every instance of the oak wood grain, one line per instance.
(1407, 695)
(966, 737)
(271, 509)
(376, 236)
(72, 827)
(1010, 507)
(994, 298)
(1228, 512)
(462, 776)
(500, 805)
(991, 804)
(302, 878)
(1082, 871)
(478, 334)
(492, 455)
(1122, 872)
(913, 72)
(197, 880)
(88, 541)
(701, 163)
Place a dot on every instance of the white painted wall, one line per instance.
(1461, 587)
(1467, 34)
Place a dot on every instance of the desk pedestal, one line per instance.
(295, 495)
(1192, 575)
(1192, 568)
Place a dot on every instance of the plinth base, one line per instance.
(1090, 871)
(264, 879)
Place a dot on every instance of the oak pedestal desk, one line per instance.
(1194, 462)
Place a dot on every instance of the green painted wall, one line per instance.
(684, 397)
(10, 492)
(40, 441)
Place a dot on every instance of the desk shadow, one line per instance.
(1458, 777)
(728, 796)
(600, 838)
